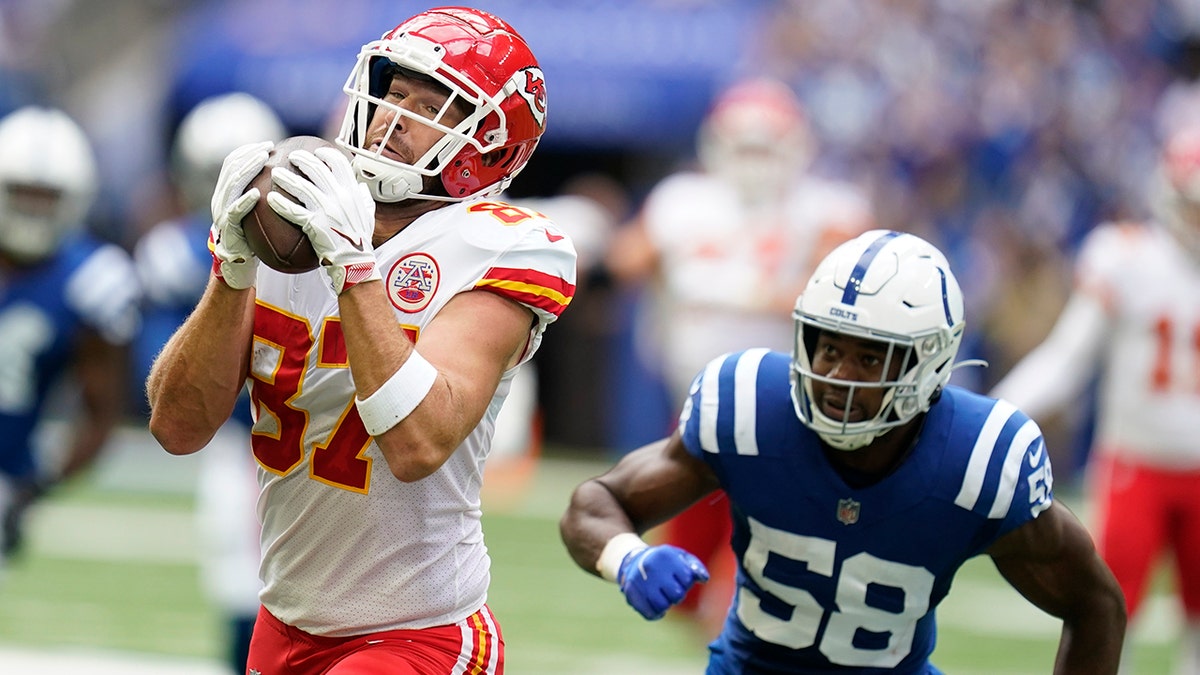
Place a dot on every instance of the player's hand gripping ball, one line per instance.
(280, 244)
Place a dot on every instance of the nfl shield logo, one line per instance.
(847, 511)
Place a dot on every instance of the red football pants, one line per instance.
(704, 530)
(470, 647)
(1143, 512)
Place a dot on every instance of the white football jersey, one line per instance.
(722, 261)
(1135, 314)
(347, 548)
(1150, 394)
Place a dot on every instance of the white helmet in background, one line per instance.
(757, 137)
(1175, 188)
(888, 287)
(48, 181)
(212, 130)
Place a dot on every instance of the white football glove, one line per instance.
(233, 261)
(335, 211)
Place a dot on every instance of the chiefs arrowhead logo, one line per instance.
(532, 87)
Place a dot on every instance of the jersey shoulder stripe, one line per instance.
(547, 292)
(732, 399)
(996, 472)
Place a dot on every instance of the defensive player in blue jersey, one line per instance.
(68, 305)
(859, 482)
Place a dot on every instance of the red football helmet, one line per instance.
(1175, 193)
(756, 136)
(483, 61)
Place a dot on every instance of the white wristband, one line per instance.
(609, 562)
(399, 396)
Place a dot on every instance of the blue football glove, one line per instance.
(653, 579)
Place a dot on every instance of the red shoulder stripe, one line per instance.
(547, 292)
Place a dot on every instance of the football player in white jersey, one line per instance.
(727, 248)
(377, 378)
(1135, 315)
(859, 482)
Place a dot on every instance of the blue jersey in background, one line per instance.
(44, 308)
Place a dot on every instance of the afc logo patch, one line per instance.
(847, 511)
(412, 281)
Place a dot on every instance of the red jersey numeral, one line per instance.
(1163, 368)
(505, 213)
(341, 459)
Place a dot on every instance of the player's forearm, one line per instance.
(1091, 643)
(195, 381)
(1094, 621)
(430, 423)
(375, 342)
(590, 521)
(90, 435)
(100, 372)
(1054, 373)
(421, 404)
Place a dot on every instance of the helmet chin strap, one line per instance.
(387, 184)
(847, 442)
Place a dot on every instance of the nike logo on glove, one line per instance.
(356, 242)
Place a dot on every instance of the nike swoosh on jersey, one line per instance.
(553, 237)
(1036, 457)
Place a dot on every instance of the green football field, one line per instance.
(109, 583)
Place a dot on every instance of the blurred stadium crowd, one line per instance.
(1003, 130)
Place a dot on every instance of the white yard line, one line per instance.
(78, 661)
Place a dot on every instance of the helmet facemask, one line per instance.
(921, 366)
(35, 218)
(898, 295)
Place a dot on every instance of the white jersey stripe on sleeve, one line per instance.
(709, 404)
(1011, 471)
(745, 379)
(968, 494)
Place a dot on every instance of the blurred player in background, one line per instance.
(859, 481)
(376, 379)
(68, 309)
(589, 206)
(173, 263)
(728, 247)
(1134, 315)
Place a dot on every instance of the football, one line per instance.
(278, 243)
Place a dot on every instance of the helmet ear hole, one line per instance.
(498, 158)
